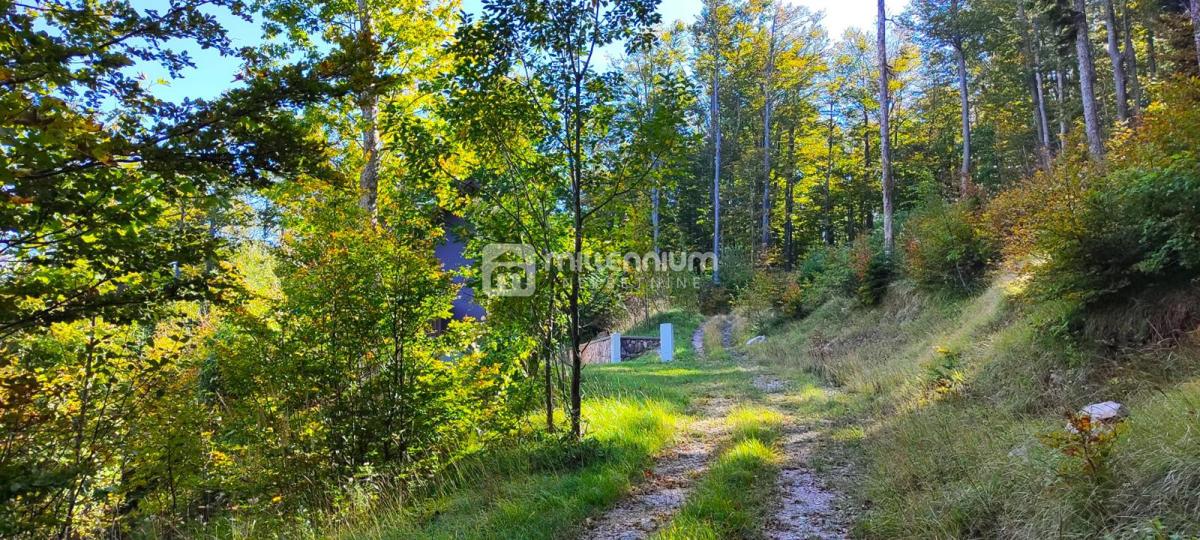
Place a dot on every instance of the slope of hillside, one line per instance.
(956, 409)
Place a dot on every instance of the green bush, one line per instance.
(945, 246)
(1100, 234)
(761, 300)
(874, 282)
(827, 273)
(714, 299)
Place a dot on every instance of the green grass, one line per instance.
(971, 462)
(541, 487)
(730, 500)
(533, 500)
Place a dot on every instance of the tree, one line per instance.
(768, 86)
(944, 24)
(714, 17)
(885, 145)
(552, 60)
(1118, 61)
(1031, 43)
(1077, 27)
(1194, 12)
(389, 47)
(112, 202)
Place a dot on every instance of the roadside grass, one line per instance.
(730, 501)
(540, 486)
(711, 336)
(945, 403)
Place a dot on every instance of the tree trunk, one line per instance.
(960, 61)
(654, 217)
(715, 127)
(789, 202)
(550, 353)
(1033, 42)
(1060, 96)
(868, 217)
(1151, 53)
(964, 172)
(827, 202)
(1131, 63)
(885, 145)
(1118, 62)
(368, 106)
(768, 103)
(576, 142)
(1195, 13)
(1087, 81)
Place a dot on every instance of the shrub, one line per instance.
(946, 247)
(872, 269)
(1092, 234)
(761, 299)
(792, 302)
(874, 282)
(826, 273)
(714, 299)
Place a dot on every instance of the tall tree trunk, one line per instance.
(964, 172)
(1118, 62)
(368, 106)
(827, 202)
(1060, 96)
(654, 217)
(865, 207)
(960, 61)
(789, 202)
(550, 350)
(1087, 82)
(1031, 36)
(1131, 63)
(715, 126)
(1194, 11)
(1151, 52)
(885, 144)
(576, 142)
(768, 103)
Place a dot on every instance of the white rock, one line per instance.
(1107, 412)
(1103, 416)
(756, 340)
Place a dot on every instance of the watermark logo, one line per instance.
(511, 269)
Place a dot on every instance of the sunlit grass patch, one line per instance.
(536, 490)
(731, 499)
(748, 422)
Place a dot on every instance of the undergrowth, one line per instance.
(948, 401)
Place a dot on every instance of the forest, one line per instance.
(940, 269)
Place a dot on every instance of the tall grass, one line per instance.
(947, 400)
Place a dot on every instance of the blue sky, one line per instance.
(214, 73)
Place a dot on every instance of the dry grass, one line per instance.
(967, 460)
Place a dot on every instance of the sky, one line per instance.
(214, 73)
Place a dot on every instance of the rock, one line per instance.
(1102, 415)
(1108, 412)
(756, 340)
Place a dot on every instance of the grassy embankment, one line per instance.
(950, 404)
